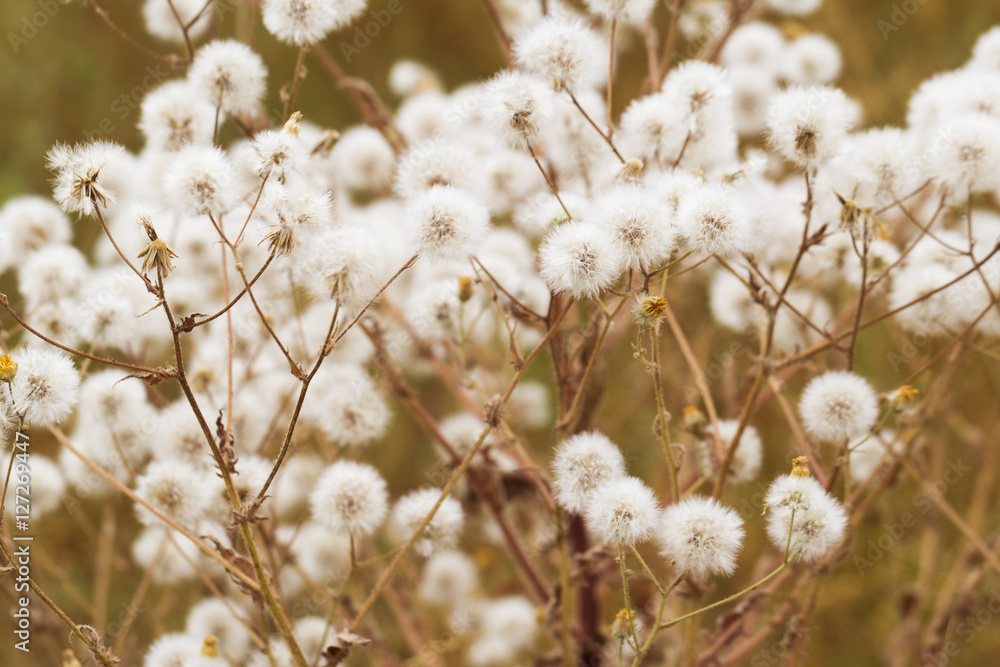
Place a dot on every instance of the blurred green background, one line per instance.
(72, 74)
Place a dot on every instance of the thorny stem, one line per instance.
(861, 299)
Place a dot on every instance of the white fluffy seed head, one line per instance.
(625, 11)
(810, 60)
(46, 387)
(754, 44)
(794, 7)
(622, 511)
(174, 115)
(306, 22)
(579, 258)
(201, 181)
(540, 214)
(173, 650)
(701, 537)
(799, 506)
(345, 264)
(564, 52)
(515, 104)
(351, 411)
(807, 124)
(986, 53)
(653, 128)
(449, 223)
(639, 225)
(448, 579)
(970, 158)
(85, 175)
(443, 530)
(581, 464)
(350, 497)
(433, 163)
(748, 456)
(176, 488)
(30, 223)
(161, 22)
(714, 219)
(838, 405)
(51, 274)
(279, 154)
(230, 75)
(363, 159)
(214, 617)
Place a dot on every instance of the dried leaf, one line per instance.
(226, 448)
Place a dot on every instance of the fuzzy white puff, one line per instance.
(639, 225)
(444, 528)
(986, 53)
(347, 405)
(363, 159)
(748, 456)
(653, 127)
(701, 537)
(627, 11)
(85, 174)
(345, 264)
(30, 223)
(47, 385)
(230, 75)
(838, 405)
(794, 7)
(350, 497)
(448, 579)
(563, 51)
(177, 489)
(172, 650)
(214, 617)
(819, 521)
(622, 511)
(754, 44)
(173, 553)
(306, 22)
(175, 115)
(714, 219)
(201, 181)
(507, 627)
(449, 223)
(539, 214)
(970, 159)
(161, 22)
(807, 124)
(515, 105)
(431, 163)
(581, 464)
(279, 154)
(811, 59)
(51, 274)
(580, 258)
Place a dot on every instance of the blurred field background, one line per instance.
(72, 75)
